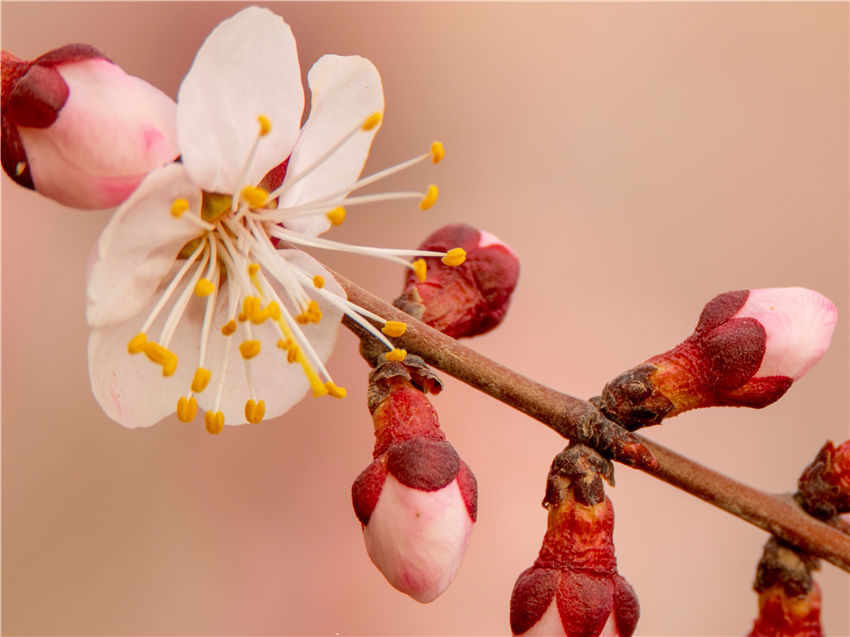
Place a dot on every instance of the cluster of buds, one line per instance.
(573, 588)
(467, 300)
(78, 129)
(749, 346)
(417, 500)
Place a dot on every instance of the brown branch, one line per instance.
(578, 419)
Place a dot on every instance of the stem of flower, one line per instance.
(578, 419)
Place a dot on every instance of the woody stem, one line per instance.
(573, 417)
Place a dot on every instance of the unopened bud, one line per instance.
(467, 299)
(78, 129)
(748, 348)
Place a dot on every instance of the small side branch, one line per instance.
(575, 418)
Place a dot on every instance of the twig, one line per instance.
(574, 417)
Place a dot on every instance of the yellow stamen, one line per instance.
(170, 365)
(228, 328)
(256, 197)
(156, 352)
(311, 315)
(137, 343)
(249, 349)
(285, 345)
(272, 311)
(396, 355)
(200, 380)
(335, 390)
(455, 257)
(319, 281)
(253, 269)
(214, 421)
(430, 197)
(254, 411)
(265, 125)
(437, 152)
(373, 120)
(187, 408)
(292, 354)
(336, 216)
(394, 328)
(420, 269)
(204, 287)
(179, 207)
(251, 306)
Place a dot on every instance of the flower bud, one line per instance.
(417, 500)
(468, 299)
(78, 129)
(824, 486)
(747, 349)
(573, 588)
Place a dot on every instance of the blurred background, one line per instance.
(639, 158)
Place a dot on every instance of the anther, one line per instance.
(310, 315)
(420, 269)
(319, 281)
(335, 390)
(214, 421)
(137, 343)
(336, 216)
(179, 207)
(228, 328)
(251, 306)
(249, 349)
(254, 411)
(293, 354)
(156, 352)
(373, 120)
(253, 269)
(430, 197)
(187, 408)
(256, 197)
(454, 257)
(204, 287)
(200, 380)
(437, 152)
(394, 328)
(396, 355)
(265, 125)
(170, 365)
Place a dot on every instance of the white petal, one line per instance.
(798, 323)
(248, 66)
(345, 91)
(139, 246)
(417, 538)
(111, 132)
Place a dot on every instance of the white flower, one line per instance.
(197, 270)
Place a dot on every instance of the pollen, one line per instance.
(251, 306)
(420, 269)
(255, 196)
(293, 354)
(310, 315)
(228, 328)
(214, 421)
(454, 257)
(204, 287)
(170, 365)
(319, 281)
(335, 390)
(271, 311)
(265, 125)
(373, 120)
(337, 216)
(394, 328)
(179, 207)
(430, 197)
(187, 408)
(200, 379)
(255, 411)
(437, 152)
(396, 355)
(253, 269)
(137, 343)
(285, 345)
(249, 349)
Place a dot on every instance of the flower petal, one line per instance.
(247, 67)
(798, 323)
(139, 246)
(112, 131)
(345, 91)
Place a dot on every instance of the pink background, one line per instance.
(639, 158)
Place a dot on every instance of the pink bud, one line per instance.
(749, 346)
(78, 129)
(417, 500)
(468, 299)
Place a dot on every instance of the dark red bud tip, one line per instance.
(585, 601)
(824, 486)
(426, 465)
(367, 489)
(37, 98)
(533, 593)
(626, 607)
(468, 299)
(13, 156)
